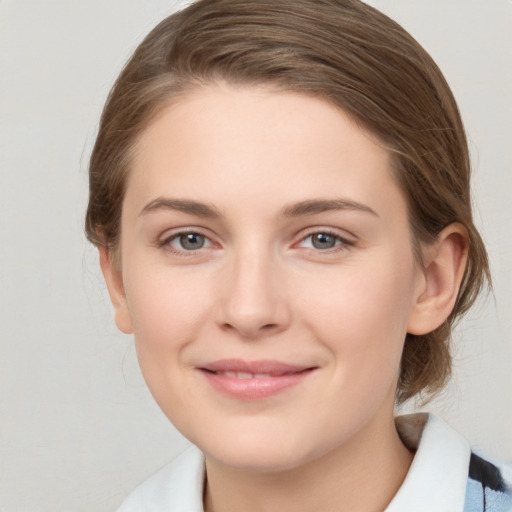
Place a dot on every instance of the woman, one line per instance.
(280, 195)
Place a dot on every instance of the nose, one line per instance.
(254, 302)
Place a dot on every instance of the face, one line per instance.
(267, 274)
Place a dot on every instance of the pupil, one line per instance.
(192, 241)
(323, 241)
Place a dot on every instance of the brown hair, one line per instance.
(342, 51)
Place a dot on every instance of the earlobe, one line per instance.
(114, 281)
(445, 263)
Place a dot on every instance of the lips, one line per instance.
(252, 380)
(244, 375)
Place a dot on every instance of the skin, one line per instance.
(260, 289)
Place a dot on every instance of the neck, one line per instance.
(337, 481)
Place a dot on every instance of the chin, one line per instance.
(267, 460)
(257, 449)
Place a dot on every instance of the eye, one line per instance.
(324, 240)
(189, 241)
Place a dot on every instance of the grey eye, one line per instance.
(323, 241)
(191, 241)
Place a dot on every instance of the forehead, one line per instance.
(219, 141)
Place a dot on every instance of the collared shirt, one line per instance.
(445, 476)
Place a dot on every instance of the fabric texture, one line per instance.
(445, 476)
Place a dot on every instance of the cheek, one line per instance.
(167, 316)
(361, 314)
(167, 313)
(363, 326)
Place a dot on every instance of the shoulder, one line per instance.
(446, 476)
(178, 486)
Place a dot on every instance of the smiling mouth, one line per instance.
(244, 375)
(253, 380)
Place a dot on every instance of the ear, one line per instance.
(114, 279)
(445, 262)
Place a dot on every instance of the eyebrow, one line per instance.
(314, 206)
(181, 205)
(302, 208)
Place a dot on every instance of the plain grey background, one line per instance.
(78, 429)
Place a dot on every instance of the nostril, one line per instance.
(250, 331)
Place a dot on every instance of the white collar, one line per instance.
(177, 487)
(436, 480)
(438, 475)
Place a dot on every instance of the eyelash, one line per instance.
(342, 244)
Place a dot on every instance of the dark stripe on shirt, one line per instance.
(485, 473)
